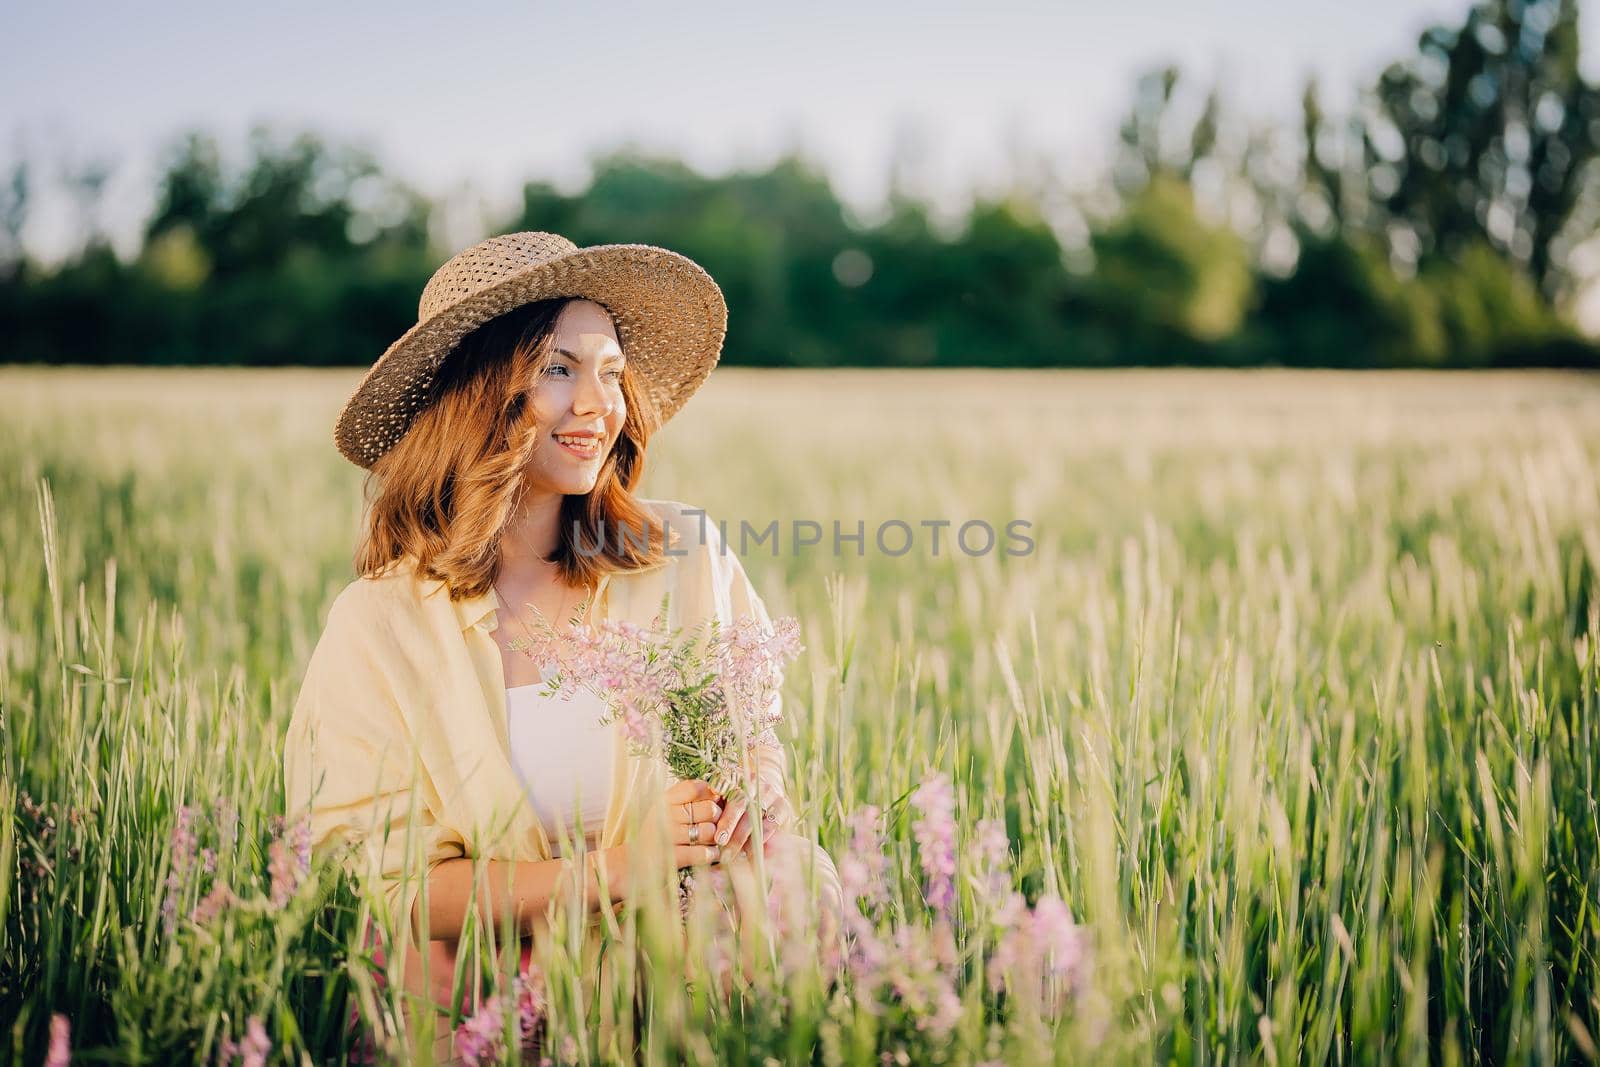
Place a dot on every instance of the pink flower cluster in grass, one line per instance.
(922, 975)
(289, 860)
(60, 1052)
(251, 1050)
(1039, 951)
(863, 878)
(935, 831)
(180, 866)
(711, 692)
(913, 963)
(481, 1037)
(288, 864)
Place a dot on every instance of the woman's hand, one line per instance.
(736, 829)
(692, 809)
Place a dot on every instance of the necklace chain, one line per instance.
(518, 615)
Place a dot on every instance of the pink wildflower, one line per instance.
(1043, 950)
(787, 910)
(863, 870)
(1062, 945)
(633, 721)
(183, 838)
(862, 875)
(281, 868)
(750, 659)
(1013, 911)
(256, 1046)
(60, 1052)
(288, 869)
(921, 975)
(300, 841)
(253, 1049)
(184, 842)
(480, 1038)
(995, 848)
(529, 995)
(935, 832)
(212, 904)
(1007, 907)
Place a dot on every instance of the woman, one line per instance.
(504, 434)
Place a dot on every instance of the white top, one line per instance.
(563, 757)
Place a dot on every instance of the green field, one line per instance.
(1294, 702)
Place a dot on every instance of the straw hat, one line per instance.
(670, 317)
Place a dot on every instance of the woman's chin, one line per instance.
(583, 482)
(576, 482)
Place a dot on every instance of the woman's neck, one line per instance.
(532, 535)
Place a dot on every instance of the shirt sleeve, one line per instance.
(736, 598)
(350, 766)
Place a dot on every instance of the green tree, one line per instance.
(1344, 306)
(1166, 277)
(1487, 135)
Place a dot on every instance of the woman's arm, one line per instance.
(733, 597)
(349, 764)
(522, 891)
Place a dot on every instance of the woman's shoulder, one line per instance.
(703, 562)
(378, 598)
(671, 511)
(699, 554)
(697, 529)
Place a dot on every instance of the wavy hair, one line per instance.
(446, 492)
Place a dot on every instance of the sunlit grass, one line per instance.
(1293, 701)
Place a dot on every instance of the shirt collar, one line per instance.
(473, 610)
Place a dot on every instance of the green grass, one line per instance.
(1294, 701)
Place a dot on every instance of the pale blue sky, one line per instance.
(469, 100)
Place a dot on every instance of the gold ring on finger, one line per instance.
(694, 833)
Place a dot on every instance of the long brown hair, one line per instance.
(447, 490)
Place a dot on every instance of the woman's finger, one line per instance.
(770, 829)
(747, 843)
(741, 833)
(730, 818)
(704, 835)
(770, 838)
(689, 790)
(779, 810)
(696, 855)
(698, 811)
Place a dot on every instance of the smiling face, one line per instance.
(578, 401)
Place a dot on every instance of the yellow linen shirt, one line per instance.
(398, 739)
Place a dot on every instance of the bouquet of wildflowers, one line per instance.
(711, 690)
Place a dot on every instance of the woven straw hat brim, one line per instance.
(670, 315)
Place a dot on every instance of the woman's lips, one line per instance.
(590, 451)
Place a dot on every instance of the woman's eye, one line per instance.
(555, 367)
(616, 375)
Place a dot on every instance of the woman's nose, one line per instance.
(590, 397)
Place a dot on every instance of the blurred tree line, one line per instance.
(1442, 222)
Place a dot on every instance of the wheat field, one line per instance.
(1291, 701)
